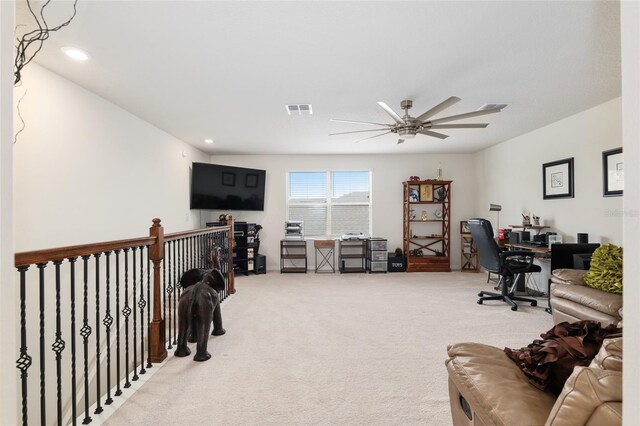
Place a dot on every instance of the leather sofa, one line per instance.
(572, 300)
(487, 388)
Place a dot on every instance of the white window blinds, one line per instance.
(330, 203)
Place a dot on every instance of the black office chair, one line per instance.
(501, 262)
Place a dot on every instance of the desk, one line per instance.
(539, 250)
(541, 259)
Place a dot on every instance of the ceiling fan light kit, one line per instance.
(407, 127)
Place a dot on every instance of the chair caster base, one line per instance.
(534, 303)
(479, 302)
(514, 308)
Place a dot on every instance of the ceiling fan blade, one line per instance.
(371, 137)
(460, 126)
(358, 122)
(400, 141)
(440, 107)
(391, 112)
(358, 131)
(434, 134)
(466, 115)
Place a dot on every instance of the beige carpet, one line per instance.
(331, 349)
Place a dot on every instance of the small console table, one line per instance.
(326, 250)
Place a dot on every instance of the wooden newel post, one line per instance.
(232, 242)
(157, 332)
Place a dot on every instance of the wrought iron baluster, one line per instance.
(149, 365)
(58, 345)
(135, 332)
(108, 321)
(85, 332)
(175, 293)
(98, 409)
(24, 361)
(43, 401)
(141, 304)
(181, 242)
(74, 392)
(118, 390)
(189, 251)
(126, 311)
(167, 258)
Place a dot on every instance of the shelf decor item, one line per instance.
(557, 179)
(612, 173)
(426, 192)
(464, 227)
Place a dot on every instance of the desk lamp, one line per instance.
(496, 208)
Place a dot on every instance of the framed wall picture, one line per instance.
(557, 179)
(612, 173)
(228, 179)
(426, 192)
(251, 180)
(464, 227)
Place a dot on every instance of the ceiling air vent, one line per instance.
(299, 109)
(491, 106)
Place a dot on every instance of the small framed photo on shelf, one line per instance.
(557, 179)
(612, 173)
(426, 192)
(464, 227)
(414, 195)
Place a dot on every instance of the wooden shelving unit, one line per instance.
(352, 255)
(427, 225)
(468, 254)
(293, 256)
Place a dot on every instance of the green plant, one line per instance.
(605, 272)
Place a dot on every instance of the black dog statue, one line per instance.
(196, 310)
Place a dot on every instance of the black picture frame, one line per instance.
(557, 179)
(251, 180)
(228, 179)
(464, 227)
(612, 173)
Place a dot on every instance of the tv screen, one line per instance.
(218, 187)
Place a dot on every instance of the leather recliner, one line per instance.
(572, 300)
(487, 388)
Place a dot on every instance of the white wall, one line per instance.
(88, 171)
(510, 174)
(389, 171)
(8, 294)
(630, 16)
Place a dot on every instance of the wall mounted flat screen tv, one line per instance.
(218, 187)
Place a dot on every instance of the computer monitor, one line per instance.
(562, 254)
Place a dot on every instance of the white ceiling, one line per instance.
(225, 70)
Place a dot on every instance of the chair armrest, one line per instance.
(568, 276)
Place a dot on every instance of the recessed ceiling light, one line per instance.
(75, 53)
(208, 140)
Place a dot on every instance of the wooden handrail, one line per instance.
(27, 258)
(194, 232)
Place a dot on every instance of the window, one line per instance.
(330, 203)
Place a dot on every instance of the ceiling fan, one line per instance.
(407, 127)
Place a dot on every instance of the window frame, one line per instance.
(328, 203)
